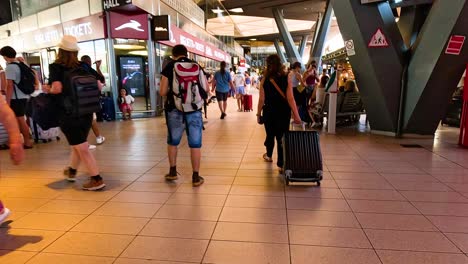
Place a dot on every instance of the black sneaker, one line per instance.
(197, 181)
(171, 176)
(223, 115)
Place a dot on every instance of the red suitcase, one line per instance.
(248, 103)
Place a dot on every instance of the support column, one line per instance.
(378, 71)
(288, 43)
(321, 32)
(302, 45)
(280, 52)
(111, 63)
(152, 69)
(432, 74)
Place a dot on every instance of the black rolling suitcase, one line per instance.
(302, 157)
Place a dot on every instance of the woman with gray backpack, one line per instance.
(78, 91)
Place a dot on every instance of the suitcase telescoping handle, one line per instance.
(302, 124)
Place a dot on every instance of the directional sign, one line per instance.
(455, 45)
(349, 45)
(378, 40)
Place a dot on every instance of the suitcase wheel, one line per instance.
(36, 141)
(58, 138)
(318, 183)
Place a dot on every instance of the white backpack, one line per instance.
(188, 86)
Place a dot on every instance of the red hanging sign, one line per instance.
(455, 45)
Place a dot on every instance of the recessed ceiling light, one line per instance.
(237, 10)
(253, 39)
(217, 11)
(333, 17)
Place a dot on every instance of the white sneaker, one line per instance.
(100, 140)
(92, 147)
(3, 217)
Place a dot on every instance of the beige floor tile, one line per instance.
(378, 184)
(15, 257)
(386, 207)
(449, 209)
(246, 201)
(179, 228)
(410, 240)
(49, 258)
(379, 195)
(398, 257)
(253, 215)
(186, 212)
(69, 207)
(332, 255)
(103, 245)
(47, 221)
(128, 209)
(204, 189)
(461, 240)
(437, 197)
(24, 204)
(338, 205)
(111, 225)
(276, 181)
(328, 236)
(322, 218)
(257, 190)
(244, 252)
(152, 187)
(159, 248)
(215, 180)
(420, 186)
(141, 197)
(313, 192)
(395, 222)
(142, 261)
(27, 239)
(80, 195)
(197, 199)
(456, 224)
(248, 232)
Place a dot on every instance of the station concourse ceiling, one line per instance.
(256, 19)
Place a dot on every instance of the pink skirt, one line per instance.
(125, 107)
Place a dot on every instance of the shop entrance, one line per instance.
(132, 70)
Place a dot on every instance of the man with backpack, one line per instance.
(186, 87)
(20, 84)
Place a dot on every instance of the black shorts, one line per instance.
(221, 96)
(76, 129)
(18, 106)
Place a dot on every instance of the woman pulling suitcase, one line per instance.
(275, 103)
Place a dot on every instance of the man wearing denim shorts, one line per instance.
(178, 121)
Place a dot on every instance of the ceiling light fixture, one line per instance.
(237, 10)
(217, 10)
(253, 39)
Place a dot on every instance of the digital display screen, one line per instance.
(132, 75)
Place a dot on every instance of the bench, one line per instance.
(348, 106)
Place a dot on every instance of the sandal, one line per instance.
(266, 158)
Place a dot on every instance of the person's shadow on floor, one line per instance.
(9, 243)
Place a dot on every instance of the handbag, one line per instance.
(300, 88)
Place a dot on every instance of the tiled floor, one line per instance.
(378, 203)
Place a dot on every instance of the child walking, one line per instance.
(125, 104)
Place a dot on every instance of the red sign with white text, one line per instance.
(129, 26)
(195, 45)
(455, 45)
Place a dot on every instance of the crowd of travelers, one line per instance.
(74, 87)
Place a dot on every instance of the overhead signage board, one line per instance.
(84, 29)
(349, 45)
(129, 26)
(195, 45)
(455, 45)
(378, 40)
(109, 4)
(161, 28)
(42, 38)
